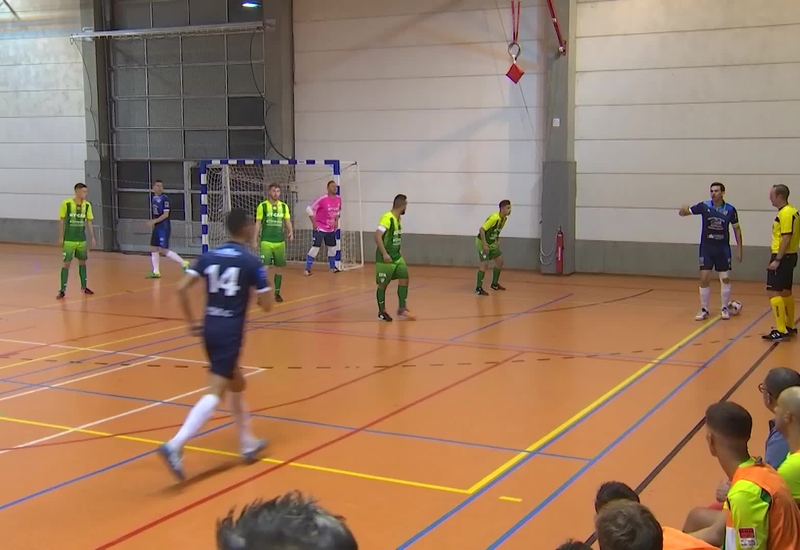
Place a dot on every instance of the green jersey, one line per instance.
(392, 231)
(75, 216)
(493, 225)
(790, 472)
(271, 217)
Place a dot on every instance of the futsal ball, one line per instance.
(735, 307)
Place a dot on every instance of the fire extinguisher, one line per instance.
(559, 251)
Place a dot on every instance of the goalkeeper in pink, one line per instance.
(324, 215)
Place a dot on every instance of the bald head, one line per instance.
(787, 415)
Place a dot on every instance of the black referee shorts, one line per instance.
(782, 278)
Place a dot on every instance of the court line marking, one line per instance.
(181, 325)
(338, 471)
(621, 437)
(273, 468)
(312, 423)
(85, 427)
(509, 466)
(593, 406)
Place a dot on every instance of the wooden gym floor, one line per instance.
(487, 422)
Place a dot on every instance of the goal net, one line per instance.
(227, 184)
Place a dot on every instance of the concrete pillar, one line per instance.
(279, 76)
(558, 170)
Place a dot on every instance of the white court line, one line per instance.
(75, 348)
(109, 418)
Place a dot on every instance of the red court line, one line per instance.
(308, 452)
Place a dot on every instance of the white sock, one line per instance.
(174, 257)
(705, 296)
(242, 418)
(198, 416)
(726, 294)
(154, 257)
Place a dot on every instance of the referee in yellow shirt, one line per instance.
(780, 273)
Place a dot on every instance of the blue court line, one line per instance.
(509, 318)
(96, 472)
(516, 466)
(196, 343)
(304, 422)
(619, 439)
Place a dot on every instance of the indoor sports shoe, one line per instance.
(186, 265)
(153, 275)
(702, 316)
(86, 290)
(404, 313)
(251, 456)
(724, 314)
(497, 287)
(775, 336)
(60, 295)
(173, 460)
(480, 292)
(383, 316)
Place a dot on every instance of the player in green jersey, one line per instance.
(488, 245)
(74, 218)
(273, 227)
(389, 262)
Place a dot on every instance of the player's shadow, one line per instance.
(203, 476)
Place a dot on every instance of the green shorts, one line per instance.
(273, 253)
(75, 249)
(385, 273)
(494, 251)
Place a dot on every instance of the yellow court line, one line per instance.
(338, 471)
(163, 331)
(593, 406)
(511, 499)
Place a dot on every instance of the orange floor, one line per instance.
(487, 422)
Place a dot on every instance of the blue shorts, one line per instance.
(223, 350)
(160, 237)
(329, 238)
(716, 257)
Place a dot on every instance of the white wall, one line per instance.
(42, 124)
(674, 94)
(416, 92)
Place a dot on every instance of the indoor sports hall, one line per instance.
(489, 419)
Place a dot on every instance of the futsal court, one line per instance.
(487, 422)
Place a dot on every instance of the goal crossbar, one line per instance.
(253, 181)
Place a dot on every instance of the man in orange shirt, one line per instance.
(760, 513)
(673, 539)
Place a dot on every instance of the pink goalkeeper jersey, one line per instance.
(325, 210)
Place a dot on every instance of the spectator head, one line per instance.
(574, 545)
(611, 491)
(777, 380)
(728, 429)
(787, 412)
(626, 525)
(288, 522)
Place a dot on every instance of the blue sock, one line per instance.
(332, 262)
(309, 261)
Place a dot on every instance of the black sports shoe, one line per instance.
(498, 287)
(480, 292)
(60, 295)
(383, 316)
(86, 291)
(278, 298)
(775, 336)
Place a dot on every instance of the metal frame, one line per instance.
(336, 169)
(162, 32)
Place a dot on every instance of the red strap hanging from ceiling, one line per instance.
(514, 49)
(562, 46)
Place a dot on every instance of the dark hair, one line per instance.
(273, 184)
(625, 525)
(79, 186)
(611, 491)
(504, 202)
(781, 190)
(730, 420)
(780, 378)
(157, 181)
(718, 184)
(288, 522)
(237, 220)
(573, 544)
(399, 200)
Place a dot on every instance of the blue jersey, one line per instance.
(716, 221)
(160, 204)
(230, 272)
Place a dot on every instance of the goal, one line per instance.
(227, 184)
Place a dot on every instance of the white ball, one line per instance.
(735, 307)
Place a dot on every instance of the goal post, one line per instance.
(243, 183)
